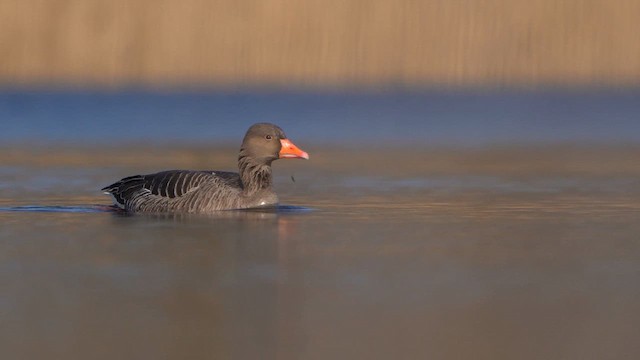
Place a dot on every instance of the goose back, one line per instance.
(184, 191)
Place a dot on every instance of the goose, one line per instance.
(189, 191)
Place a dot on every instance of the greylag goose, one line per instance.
(186, 191)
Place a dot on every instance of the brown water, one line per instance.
(485, 253)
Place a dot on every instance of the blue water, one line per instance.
(280, 209)
(387, 117)
(68, 209)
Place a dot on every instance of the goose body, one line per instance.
(188, 191)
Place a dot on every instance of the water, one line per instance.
(462, 250)
(477, 117)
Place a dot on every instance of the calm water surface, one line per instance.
(447, 259)
(385, 251)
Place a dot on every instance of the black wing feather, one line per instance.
(171, 184)
(125, 188)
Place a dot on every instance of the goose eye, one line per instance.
(268, 137)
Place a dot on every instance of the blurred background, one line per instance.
(329, 43)
(462, 72)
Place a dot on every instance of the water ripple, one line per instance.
(63, 209)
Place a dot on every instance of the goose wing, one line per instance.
(166, 184)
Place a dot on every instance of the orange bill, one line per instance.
(291, 151)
